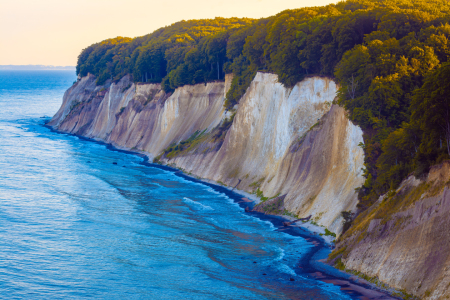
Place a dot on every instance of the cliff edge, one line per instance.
(403, 239)
(290, 142)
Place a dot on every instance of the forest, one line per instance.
(389, 57)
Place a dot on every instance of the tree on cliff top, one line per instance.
(151, 57)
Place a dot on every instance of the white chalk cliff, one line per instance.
(282, 141)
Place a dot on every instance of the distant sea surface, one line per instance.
(73, 225)
(35, 67)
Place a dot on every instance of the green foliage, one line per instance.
(389, 58)
(337, 253)
(189, 51)
(289, 214)
(257, 184)
(124, 89)
(431, 116)
(221, 131)
(184, 146)
(339, 264)
(241, 81)
(273, 207)
(379, 81)
(260, 195)
(348, 219)
(329, 233)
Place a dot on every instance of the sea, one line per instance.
(81, 220)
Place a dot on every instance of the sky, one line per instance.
(53, 32)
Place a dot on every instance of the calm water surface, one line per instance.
(75, 225)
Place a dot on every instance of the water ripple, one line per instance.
(70, 229)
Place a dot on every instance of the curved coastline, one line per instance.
(312, 263)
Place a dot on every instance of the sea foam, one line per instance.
(197, 204)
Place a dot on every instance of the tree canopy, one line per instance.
(186, 52)
(389, 57)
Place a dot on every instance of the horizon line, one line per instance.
(31, 67)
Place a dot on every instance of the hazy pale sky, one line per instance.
(53, 32)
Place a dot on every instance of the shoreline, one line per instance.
(312, 263)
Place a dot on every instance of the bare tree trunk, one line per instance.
(448, 144)
(446, 129)
(447, 132)
(448, 136)
(218, 77)
(351, 89)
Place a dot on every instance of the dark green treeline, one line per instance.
(388, 56)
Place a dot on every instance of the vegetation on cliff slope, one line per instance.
(388, 56)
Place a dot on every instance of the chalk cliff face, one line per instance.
(292, 147)
(140, 117)
(282, 141)
(270, 146)
(404, 240)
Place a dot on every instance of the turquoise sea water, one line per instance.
(74, 225)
